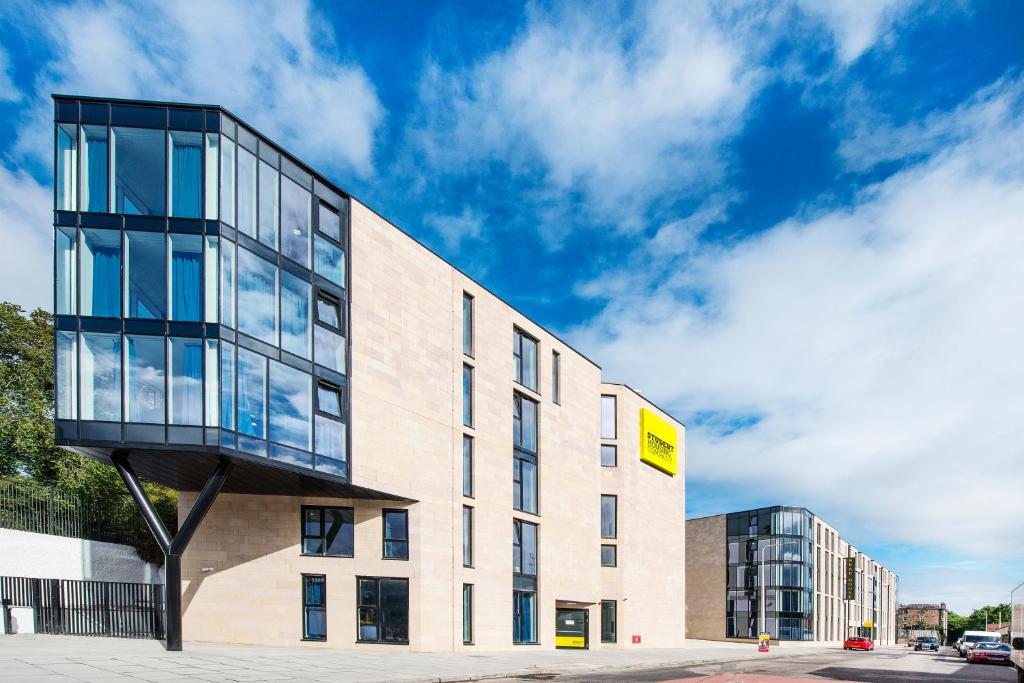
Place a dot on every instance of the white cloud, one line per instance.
(274, 64)
(856, 25)
(877, 345)
(26, 233)
(8, 92)
(453, 229)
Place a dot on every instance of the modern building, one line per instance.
(918, 616)
(816, 587)
(370, 447)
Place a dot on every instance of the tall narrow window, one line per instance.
(290, 406)
(66, 271)
(100, 273)
(556, 378)
(246, 217)
(227, 283)
(67, 166)
(295, 322)
(186, 160)
(67, 375)
(524, 462)
(328, 261)
(227, 385)
(211, 273)
(94, 169)
(227, 180)
(609, 514)
(524, 354)
(467, 536)
(145, 282)
(328, 531)
(186, 277)
(467, 324)
(252, 383)
(212, 383)
(609, 455)
(608, 621)
(144, 388)
(138, 171)
(467, 466)
(329, 349)
(314, 607)
(329, 222)
(524, 582)
(467, 395)
(186, 386)
(269, 204)
(608, 417)
(101, 377)
(212, 173)
(467, 614)
(382, 607)
(396, 534)
(295, 220)
(257, 297)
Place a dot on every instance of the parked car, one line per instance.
(985, 653)
(911, 642)
(930, 643)
(858, 643)
(972, 638)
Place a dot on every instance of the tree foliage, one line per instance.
(27, 447)
(976, 620)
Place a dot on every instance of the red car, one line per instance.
(983, 653)
(858, 643)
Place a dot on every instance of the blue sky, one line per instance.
(797, 225)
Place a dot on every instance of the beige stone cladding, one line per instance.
(648, 583)
(243, 568)
(705, 578)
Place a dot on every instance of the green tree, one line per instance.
(27, 448)
(975, 621)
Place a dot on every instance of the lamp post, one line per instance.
(761, 549)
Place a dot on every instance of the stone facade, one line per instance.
(932, 615)
(244, 566)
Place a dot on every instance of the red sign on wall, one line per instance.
(636, 639)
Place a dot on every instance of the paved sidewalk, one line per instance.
(70, 658)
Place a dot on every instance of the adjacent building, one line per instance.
(816, 587)
(371, 449)
(923, 616)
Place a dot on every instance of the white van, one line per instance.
(972, 637)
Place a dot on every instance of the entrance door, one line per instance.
(571, 628)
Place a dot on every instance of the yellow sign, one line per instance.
(658, 442)
(868, 624)
(570, 641)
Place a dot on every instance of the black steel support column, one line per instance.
(172, 547)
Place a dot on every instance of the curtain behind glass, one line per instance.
(186, 269)
(94, 159)
(106, 280)
(187, 385)
(186, 164)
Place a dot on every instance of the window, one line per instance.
(608, 516)
(246, 219)
(328, 310)
(328, 531)
(186, 387)
(295, 319)
(252, 381)
(524, 463)
(295, 219)
(329, 349)
(524, 616)
(396, 534)
(186, 160)
(383, 610)
(524, 351)
(212, 384)
(608, 417)
(609, 455)
(330, 442)
(467, 395)
(608, 621)
(138, 171)
(328, 399)
(524, 582)
(145, 284)
(66, 271)
(210, 276)
(467, 324)
(144, 388)
(227, 384)
(268, 204)
(210, 163)
(556, 380)
(227, 283)
(609, 555)
(186, 274)
(467, 466)
(314, 607)
(227, 180)
(329, 222)
(257, 297)
(524, 423)
(66, 359)
(94, 169)
(67, 166)
(467, 536)
(467, 614)
(100, 272)
(101, 377)
(290, 406)
(328, 261)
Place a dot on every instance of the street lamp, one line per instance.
(761, 549)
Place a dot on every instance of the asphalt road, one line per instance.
(892, 665)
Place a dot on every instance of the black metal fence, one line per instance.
(89, 608)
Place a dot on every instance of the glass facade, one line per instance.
(774, 546)
(188, 256)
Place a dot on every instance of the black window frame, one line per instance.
(467, 614)
(615, 555)
(306, 607)
(524, 583)
(556, 377)
(467, 536)
(376, 606)
(520, 454)
(329, 386)
(615, 418)
(323, 529)
(331, 300)
(615, 621)
(468, 467)
(615, 452)
(468, 390)
(615, 518)
(384, 531)
(468, 330)
(517, 354)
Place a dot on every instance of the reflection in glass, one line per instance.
(212, 390)
(186, 173)
(252, 381)
(100, 282)
(66, 270)
(227, 180)
(186, 387)
(328, 311)
(144, 390)
(227, 283)
(94, 168)
(295, 324)
(330, 438)
(227, 385)
(291, 404)
(139, 171)
(145, 284)
(257, 297)
(246, 192)
(210, 274)
(268, 204)
(67, 375)
(329, 222)
(394, 610)
(608, 516)
(329, 349)
(212, 156)
(328, 399)
(67, 181)
(607, 417)
(295, 218)
(467, 396)
(329, 261)
(186, 270)
(101, 376)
